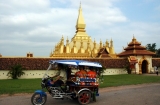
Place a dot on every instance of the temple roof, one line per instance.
(135, 48)
(103, 53)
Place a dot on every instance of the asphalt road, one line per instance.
(145, 94)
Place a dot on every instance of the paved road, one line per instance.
(146, 94)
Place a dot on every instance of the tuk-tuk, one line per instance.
(84, 89)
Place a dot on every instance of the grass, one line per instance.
(30, 85)
(128, 79)
(13, 86)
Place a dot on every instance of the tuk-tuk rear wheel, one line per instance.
(84, 97)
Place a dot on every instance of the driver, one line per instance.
(60, 77)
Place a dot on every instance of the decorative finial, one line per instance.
(133, 36)
(100, 41)
(80, 5)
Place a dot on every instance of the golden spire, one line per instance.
(94, 51)
(100, 44)
(80, 21)
(67, 41)
(62, 39)
(111, 48)
(107, 43)
(94, 43)
(80, 29)
(111, 43)
(88, 50)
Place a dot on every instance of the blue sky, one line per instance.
(37, 25)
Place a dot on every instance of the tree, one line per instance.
(16, 71)
(158, 53)
(151, 47)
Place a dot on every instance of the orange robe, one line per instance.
(81, 73)
(91, 74)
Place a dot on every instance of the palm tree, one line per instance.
(16, 71)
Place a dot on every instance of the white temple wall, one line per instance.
(40, 73)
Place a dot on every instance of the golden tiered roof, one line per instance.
(81, 45)
(135, 48)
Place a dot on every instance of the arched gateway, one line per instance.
(144, 66)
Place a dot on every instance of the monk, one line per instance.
(91, 73)
(81, 72)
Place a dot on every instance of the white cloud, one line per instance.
(21, 6)
(37, 25)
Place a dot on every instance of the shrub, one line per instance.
(128, 69)
(16, 71)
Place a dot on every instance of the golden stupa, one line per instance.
(81, 45)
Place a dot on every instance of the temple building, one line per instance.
(81, 45)
(140, 59)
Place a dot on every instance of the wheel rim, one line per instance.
(84, 97)
(37, 99)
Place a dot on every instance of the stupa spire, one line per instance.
(80, 21)
(80, 29)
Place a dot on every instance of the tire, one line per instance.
(84, 97)
(37, 99)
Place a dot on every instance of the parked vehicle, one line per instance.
(83, 89)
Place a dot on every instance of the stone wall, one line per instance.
(42, 63)
(156, 62)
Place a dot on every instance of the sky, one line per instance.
(36, 26)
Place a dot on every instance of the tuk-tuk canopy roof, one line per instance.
(76, 63)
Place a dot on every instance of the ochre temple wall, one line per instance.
(42, 63)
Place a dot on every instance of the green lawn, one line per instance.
(30, 85)
(128, 79)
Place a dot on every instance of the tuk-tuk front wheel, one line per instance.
(38, 99)
(84, 97)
